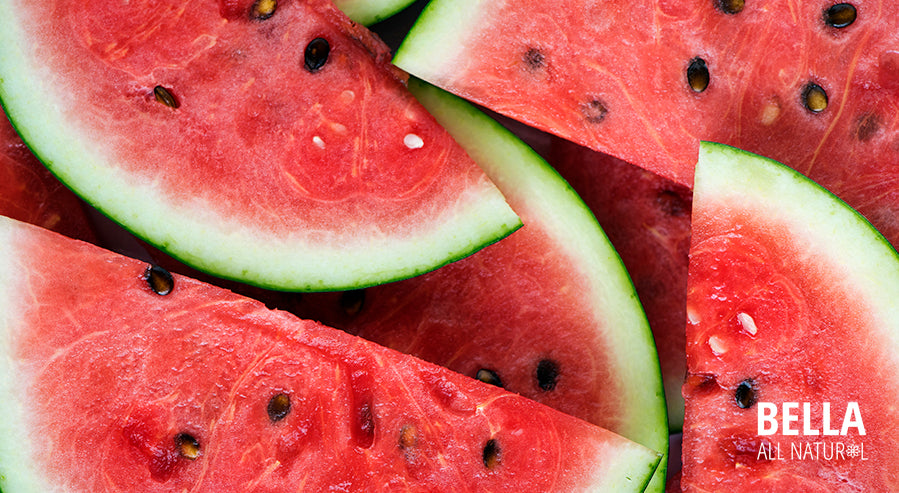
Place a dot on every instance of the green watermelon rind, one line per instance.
(193, 234)
(518, 170)
(367, 12)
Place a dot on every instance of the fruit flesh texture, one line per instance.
(777, 299)
(631, 59)
(205, 363)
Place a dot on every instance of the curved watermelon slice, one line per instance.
(116, 377)
(30, 193)
(277, 148)
(548, 313)
(808, 83)
(792, 299)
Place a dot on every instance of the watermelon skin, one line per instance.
(119, 370)
(792, 292)
(30, 193)
(647, 219)
(613, 76)
(266, 172)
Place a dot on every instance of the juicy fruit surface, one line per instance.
(781, 81)
(30, 193)
(225, 128)
(202, 389)
(647, 219)
(788, 301)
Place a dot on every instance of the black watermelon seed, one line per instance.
(867, 126)
(840, 15)
(490, 455)
(745, 394)
(263, 9)
(278, 407)
(316, 55)
(698, 75)
(534, 59)
(594, 111)
(730, 6)
(547, 374)
(489, 376)
(188, 446)
(165, 97)
(351, 302)
(814, 98)
(672, 203)
(159, 280)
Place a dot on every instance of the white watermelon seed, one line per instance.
(413, 141)
(717, 345)
(747, 323)
(318, 142)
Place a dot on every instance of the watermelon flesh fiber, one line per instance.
(180, 384)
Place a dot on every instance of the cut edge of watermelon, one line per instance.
(367, 12)
(729, 175)
(196, 236)
(569, 221)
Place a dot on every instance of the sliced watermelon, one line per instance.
(30, 193)
(548, 313)
(791, 305)
(812, 84)
(647, 219)
(368, 12)
(117, 377)
(278, 148)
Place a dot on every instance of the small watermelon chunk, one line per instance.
(792, 311)
(277, 148)
(118, 376)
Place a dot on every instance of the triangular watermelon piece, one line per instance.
(117, 376)
(267, 142)
(792, 338)
(814, 85)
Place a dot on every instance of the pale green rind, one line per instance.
(820, 222)
(192, 233)
(368, 12)
(521, 173)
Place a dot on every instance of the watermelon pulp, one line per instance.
(279, 150)
(788, 288)
(140, 382)
(645, 81)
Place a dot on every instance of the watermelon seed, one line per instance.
(318, 142)
(547, 374)
(316, 55)
(351, 302)
(263, 9)
(698, 75)
(413, 141)
(534, 59)
(594, 111)
(278, 407)
(730, 6)
(745, 394)
(408, 437)
(867, 126)
(188, 446)
(490, 456)
(814, 98)
(489, 376)
(160, 280)
(840, 15)
(770, 112)
(746, 321)
(165, 97)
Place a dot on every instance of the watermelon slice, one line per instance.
(647, 219)
(30, 193)
(368, 12)
(812, 84)
(276, 147)
(792, 339)
(116, 376)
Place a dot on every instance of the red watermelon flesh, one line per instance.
(110, 385)
(791, 302)
(647, 219)
(613, 76)
(30, 193)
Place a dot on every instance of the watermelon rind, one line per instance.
(360, 255)
(366, 12)
(519, 171)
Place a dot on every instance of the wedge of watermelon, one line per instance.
(647, 219)
(812, 84)
(368, 12)
(792, 339)
(277, 147)
(118, 377)
(30, 193)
